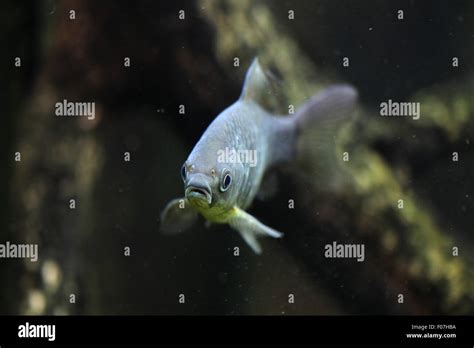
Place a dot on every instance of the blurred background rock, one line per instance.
(190, 62)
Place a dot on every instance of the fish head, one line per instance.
(210, 186)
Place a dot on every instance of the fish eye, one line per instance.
(183, 172)
(226, 180)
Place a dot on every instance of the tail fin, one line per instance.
(334, 103)
(317, 124)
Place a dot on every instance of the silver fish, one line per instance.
(220, 182)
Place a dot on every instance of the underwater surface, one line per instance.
(355, 128)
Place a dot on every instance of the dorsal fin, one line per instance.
(260, 87)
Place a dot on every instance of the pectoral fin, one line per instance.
(251, 240)
(250, 228)
(177, 216)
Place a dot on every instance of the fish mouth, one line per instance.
(200, 193)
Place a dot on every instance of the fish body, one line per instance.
(244, 126)
(220, 187)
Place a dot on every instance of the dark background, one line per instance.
(189, 62)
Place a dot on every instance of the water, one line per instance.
(409, 200)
